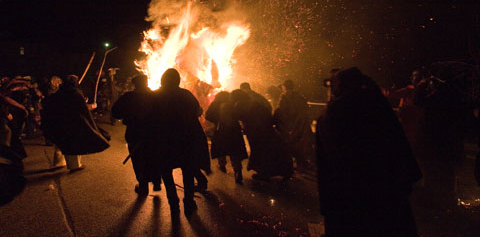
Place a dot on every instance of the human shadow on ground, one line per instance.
(155, 228)
(123, 226)
(33, 178)
(176, 230)
(40, 171)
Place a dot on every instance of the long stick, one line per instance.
(86, 69)
(100, 73)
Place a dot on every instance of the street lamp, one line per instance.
(107, 45)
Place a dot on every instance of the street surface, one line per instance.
(100, 201)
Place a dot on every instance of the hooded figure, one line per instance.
(67, 122)
(177, 138)
(269, 156)
(294, 125)
(133, 107)
(227, 138)
(365, 165)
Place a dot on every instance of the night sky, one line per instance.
(299, 39)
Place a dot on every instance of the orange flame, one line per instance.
(206, 54)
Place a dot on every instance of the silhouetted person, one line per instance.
(365, 165)
(273, 95)
(17, 114)
(245, 86)
(12, 181)
(295, 126)
(134, 107)
(178, 138)
(269, 156)
(409, 113)
(227, 138)
(444, 117)
(67, 122)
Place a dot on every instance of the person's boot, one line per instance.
(58, 159)
(141, 189)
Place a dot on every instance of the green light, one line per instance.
(107, 45)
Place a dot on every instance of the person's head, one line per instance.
(140, 82)
(287, 85)
(55, 81)
(350, 80)
(70, 81)
(417, 76)
(245, 86)
(170, 79)
(222, 96)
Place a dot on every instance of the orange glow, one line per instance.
(206, 54)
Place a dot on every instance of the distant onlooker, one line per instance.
(269, 156)
(227, 139)
(292, 120)
(245, 86)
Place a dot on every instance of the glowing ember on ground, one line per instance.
(205, 54)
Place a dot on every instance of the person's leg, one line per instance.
(139, 168)
(171, 190)
(222, 162)
(202, 181)
(188, 203)
(237, 168)
(58, 157)
(74, 162)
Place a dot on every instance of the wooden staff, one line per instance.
(100, 73)
(86, 69)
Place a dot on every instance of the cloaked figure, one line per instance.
(67, 122)
(445, 108)
(227, 138)
(366, 168)
(245, 86)
(177, 138)
(269, 156)
(133, 108)
(295, 126)
(409, 113)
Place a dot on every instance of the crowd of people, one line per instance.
(165, 133)
(367, 156)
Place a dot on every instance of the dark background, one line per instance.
(294, 39)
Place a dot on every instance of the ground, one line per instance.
(100, 201)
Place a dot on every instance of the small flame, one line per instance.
(206, 54)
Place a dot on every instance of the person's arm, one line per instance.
(14, 103)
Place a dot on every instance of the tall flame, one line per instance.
(206, 54)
